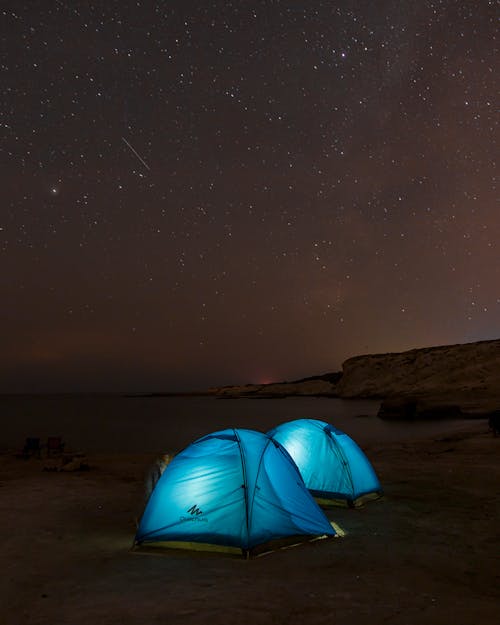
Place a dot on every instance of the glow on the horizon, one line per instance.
(266, 380)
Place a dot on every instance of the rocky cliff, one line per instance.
(466, 376)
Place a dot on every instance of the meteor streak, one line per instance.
(135, 152)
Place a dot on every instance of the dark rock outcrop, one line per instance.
(407, 408)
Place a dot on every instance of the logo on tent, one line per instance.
(195, 515)
(194, 510)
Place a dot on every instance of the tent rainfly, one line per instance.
(235, 490)
(335, 470)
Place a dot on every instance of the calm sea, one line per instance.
(125, 424)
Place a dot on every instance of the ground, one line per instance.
(424, 553)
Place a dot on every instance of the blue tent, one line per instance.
(334, 468)
(236, 489)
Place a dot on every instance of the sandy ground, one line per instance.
(425, 553)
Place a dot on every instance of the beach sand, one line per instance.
(425, 553)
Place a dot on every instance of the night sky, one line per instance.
(198, 193)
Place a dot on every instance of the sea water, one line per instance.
(112, 423)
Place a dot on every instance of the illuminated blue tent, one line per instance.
(334, 468)
(236, 490)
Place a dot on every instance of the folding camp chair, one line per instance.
(55, 446)
(31, 447)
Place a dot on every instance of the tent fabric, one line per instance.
(234, 488)
(333, 467)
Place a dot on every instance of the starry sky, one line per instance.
(199, 193)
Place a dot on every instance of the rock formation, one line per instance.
(313, 387)
(450, 379)
(465, 375)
